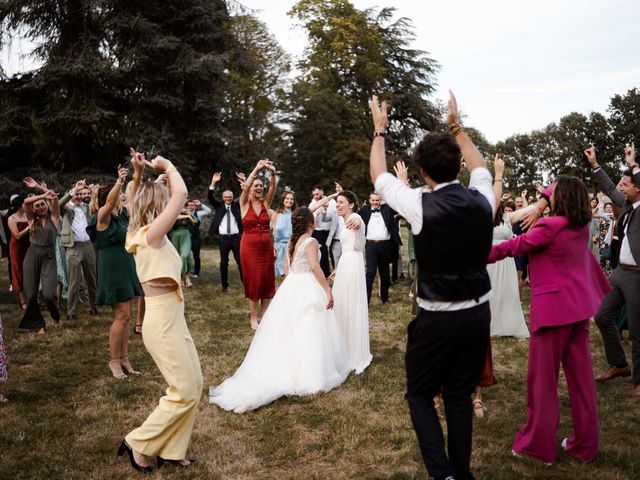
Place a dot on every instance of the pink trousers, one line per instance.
(549, 347)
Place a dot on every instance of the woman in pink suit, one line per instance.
(567, 286)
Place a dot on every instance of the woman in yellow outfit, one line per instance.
(167, 431)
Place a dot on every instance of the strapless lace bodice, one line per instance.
(300, 263)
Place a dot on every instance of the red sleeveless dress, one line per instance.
(257, 255)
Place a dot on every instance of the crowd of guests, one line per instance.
(104, 245)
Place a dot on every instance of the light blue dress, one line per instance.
(281, 235)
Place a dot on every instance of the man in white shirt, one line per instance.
(81, 256)
(447, 341)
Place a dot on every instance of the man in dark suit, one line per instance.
(227, 224)
(383, 239)
(625, 279)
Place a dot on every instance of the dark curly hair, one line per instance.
(438, 155)
(301, 219)
(571, 200)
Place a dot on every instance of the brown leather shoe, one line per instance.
(614, 372)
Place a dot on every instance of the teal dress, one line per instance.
(180, 236)
(117, 278)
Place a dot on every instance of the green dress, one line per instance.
(180, 236)
(117, 278)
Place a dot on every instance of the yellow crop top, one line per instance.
(153, 263)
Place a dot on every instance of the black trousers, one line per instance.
(195, 250)
(445, 350)
(379, 256)
(321, 236)
(229, 243)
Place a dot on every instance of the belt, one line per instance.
(377, 241)
(634, 268)
(229, 234)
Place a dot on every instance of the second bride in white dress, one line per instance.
(298, 348)
(350, 287)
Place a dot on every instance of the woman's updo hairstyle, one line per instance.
(351, 198)
(301, 219)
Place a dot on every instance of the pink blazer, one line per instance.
(567, 283)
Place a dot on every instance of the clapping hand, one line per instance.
(630, 154)
(402, 172)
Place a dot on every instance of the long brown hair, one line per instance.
(281, 207)
(301, 219)
(99, 198)
(571, 200)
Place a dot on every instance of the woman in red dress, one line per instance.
(256, 245)
(18, 245)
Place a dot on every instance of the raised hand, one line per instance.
(216, 177)
(161, 164)
(590, 153)
(453, 117)
(524, 193)
(268, 164)
(137, 161)
(30, 182)
(630, 154)
(506, 196)
(50, 195)
(241, 177)
(402, 172)
(122, 173)
(379, 115)
(498, 166)
(539, 187)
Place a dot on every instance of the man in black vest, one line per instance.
(625, 279)
(452, 229)
(383, 239)
(227, 224)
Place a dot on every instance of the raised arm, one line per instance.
(215, 179)
(498, 167)
(138, 163)
(164, 222)
(244, 196)
(104, 212)
(377, 156)
(630, 158)
(273, 181)
(470, 152)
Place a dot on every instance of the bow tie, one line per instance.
(375, 210)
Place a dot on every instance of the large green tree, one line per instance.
(351, 55)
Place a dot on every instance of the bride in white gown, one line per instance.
(349, 286)
(298, 348)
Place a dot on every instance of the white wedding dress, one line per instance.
(350, 296)
(298, 348)
(507, 318)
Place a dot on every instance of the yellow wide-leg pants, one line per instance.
(167, 431)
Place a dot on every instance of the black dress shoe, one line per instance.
(93, 311)
(124, 447)
(162, 461)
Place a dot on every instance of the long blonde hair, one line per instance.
(150, 200)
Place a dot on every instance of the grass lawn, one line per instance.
(67, 415)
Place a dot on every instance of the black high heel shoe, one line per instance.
(124, 447)
(162, 461)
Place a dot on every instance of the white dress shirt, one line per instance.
(222, 229)
(626, 257)
(376, 229)
(79, 224)
(408, 203)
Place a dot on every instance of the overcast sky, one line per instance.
(514, 65)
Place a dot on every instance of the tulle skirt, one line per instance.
(352, 309)
(298, 349)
